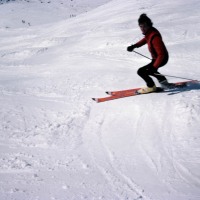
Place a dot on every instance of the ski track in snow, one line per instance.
(104, 160)
(57, 144)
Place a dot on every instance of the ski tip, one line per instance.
(95, 99)
(108, 92)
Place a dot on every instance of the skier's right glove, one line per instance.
(131, 48)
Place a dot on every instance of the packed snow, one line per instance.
(58, 144)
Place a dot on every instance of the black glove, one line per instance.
(131, 48)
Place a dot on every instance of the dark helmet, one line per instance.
(144, 19)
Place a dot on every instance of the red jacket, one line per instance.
(156, 46)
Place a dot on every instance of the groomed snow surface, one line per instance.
(58, 144)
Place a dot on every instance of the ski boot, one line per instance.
(146, 90)
(166, 85)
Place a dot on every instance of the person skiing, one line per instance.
(159, 53)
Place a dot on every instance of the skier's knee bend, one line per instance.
(140, 71)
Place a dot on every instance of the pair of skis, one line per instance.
(133, 92)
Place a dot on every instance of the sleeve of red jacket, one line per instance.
(160, 51)
(141, 42)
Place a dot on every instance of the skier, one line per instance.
(159, 53)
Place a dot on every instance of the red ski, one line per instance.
(123, 94)
(133, 92)
(178, 84)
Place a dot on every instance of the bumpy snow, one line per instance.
(58, 144)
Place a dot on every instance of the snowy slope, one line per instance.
(56, 144)
(26, 13)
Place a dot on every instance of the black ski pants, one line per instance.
(149, 70)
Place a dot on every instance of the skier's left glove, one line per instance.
(131, 48)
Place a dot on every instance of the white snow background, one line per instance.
(58, 144)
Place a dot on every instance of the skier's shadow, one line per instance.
(190, 87)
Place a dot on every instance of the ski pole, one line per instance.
(165, 74)
(176, 77)
(142, 55)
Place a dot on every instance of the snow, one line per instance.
(56, 143)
